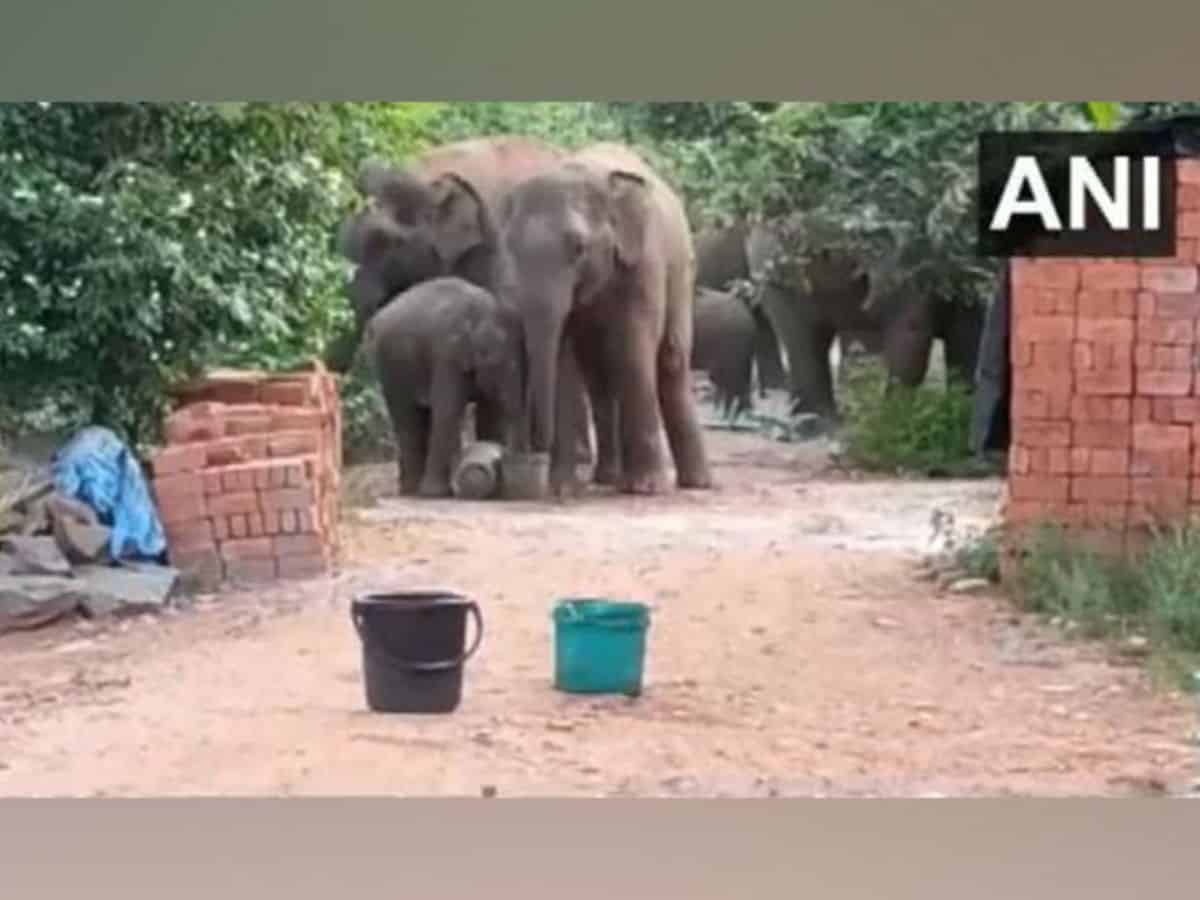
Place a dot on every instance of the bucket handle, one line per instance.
(442, 664)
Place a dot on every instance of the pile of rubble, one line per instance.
(55, 559)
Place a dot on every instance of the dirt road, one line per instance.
(792, 652)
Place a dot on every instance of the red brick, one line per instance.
(1166, 331)
(1187, 171)
(1175, 279)
(287, 521)
(175, 460)
(188, 537)
(1107, 461)
(220, 527)
(1045, 328)
(285, 393)
(189, 430)
(1185, 410)
(1106, 304)
(286, 498)
(1100, 489)
(251, 571)
(1188, 224)
(1109, 331)
(179, 498)
(255, 526)
(1164, 494)
(238, 528)
(212, 484)
(1187, 196)
(1081, 460)
(1102, 515)
(1184, 307)
(1160, 463)
(247, 548)
(299, 420)
(1100, 409)
(305, 523)
(1162, 437)
(1112, 382)
(1106, 435)
(1037, 302)
(1109, 276)
(1041, 434)
(1038, 487)
(293, 444)
(1020, 353)
(1045, 274)
(1042, 402)
(272, 523)
(298, 545)
(243, 425)
(1164, 383)
(233, 504)
(311, 566)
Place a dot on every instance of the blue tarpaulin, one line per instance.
(96, 468)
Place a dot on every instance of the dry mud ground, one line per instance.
(792, 653)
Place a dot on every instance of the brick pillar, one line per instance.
(248, 483)
(1106, 399)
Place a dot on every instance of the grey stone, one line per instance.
(33, 601)
(81, 543)
(35, 555)
(131, 587)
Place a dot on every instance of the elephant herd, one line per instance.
(563, 296)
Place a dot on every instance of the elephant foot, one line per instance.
(606, 474)
(697, 481)
(434, 489)
(645, 485)
(565, 483)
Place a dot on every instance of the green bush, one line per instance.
(1104, 596)
(910, 430)
(140, 243)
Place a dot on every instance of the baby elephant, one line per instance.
(723, 346)
(438, 347)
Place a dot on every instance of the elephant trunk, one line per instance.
(543, 335)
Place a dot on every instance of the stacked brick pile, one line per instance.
(1106, 395)
(247, 484)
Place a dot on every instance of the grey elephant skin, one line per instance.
(721, 266)
(434, 217)
(832, 299)
(723, 346)
(437, 347)
(438, 217)
(599, 258)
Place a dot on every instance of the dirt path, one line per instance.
(792, 652)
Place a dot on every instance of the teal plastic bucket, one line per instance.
(600, 646)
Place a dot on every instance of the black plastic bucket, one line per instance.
(412, 649)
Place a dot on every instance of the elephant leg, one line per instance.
(570, 420)
(961, 336)
(812, 378)
(449, 401)
(907, 356)
(591, 357)
(771, 373)
(676, 398)
(640, 425)
(410, 425)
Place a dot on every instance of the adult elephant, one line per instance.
(439, 217)
(721, 265)
(435, 217)
(831, 298)
(599, 258)
(723, 346)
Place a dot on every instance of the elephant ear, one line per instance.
(459, 219)
(629, 193)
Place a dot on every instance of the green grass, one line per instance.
(923, 430)
(1103, 596)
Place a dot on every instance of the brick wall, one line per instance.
(1105, 396)
(247, 484)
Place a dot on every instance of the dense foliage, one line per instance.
(141, 242)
